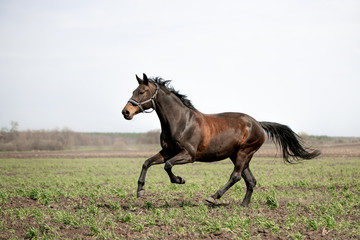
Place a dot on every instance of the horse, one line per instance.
(187, 136)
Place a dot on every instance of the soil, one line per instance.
(123, 229)
(268, 150)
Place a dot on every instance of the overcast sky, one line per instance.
(73, 63)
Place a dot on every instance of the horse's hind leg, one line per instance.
(240, 161)
(250, 184)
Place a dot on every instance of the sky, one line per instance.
(72, 64)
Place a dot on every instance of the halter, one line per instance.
(136, 103)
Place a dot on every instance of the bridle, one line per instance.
(136, 103)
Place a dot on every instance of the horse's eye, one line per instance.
(142, 92)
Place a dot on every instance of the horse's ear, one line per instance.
(139, 79)
(146, 80)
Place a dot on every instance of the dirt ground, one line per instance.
(268, 150)
(70, 204)
(73, 205)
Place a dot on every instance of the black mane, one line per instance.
(166, 85)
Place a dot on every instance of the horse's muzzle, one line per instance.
(127, 115)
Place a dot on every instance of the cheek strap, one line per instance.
(136, 103)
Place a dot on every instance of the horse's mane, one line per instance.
(166, 84)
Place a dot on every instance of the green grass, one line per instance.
(96, 198)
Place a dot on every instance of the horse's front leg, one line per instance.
(157, 159)
(181, 158)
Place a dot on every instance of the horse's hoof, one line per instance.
(140, 193)
(181, 180)
(178, 180)
(244, 204)
(211, 200)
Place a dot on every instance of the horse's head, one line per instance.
(142, 99)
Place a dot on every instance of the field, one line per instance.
(95, 198)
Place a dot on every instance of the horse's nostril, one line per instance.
(125, 112)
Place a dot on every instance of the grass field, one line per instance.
(96, 199)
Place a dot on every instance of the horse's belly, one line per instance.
(217, 149)
(211, 157)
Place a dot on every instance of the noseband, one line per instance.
(136, 103)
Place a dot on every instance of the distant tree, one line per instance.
(14, 126)
(4, 130)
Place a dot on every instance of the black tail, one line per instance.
(292, 145)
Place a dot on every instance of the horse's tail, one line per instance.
(292, 145)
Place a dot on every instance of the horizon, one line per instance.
(5, 129)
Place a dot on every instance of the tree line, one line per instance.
(66, 139)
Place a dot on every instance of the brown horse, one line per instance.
(188, 135)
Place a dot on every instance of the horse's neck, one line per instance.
(171, 111)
